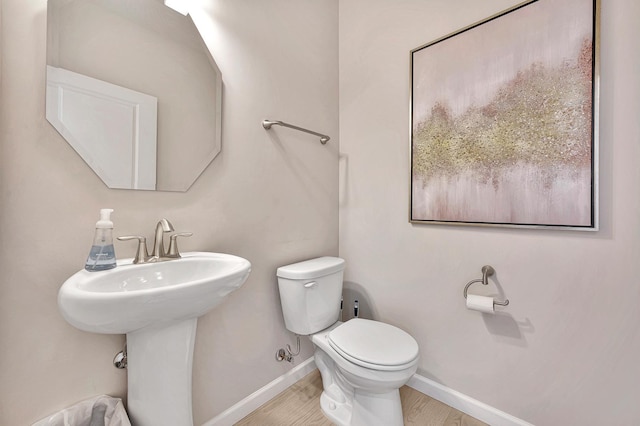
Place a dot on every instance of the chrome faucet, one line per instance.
(158, 254)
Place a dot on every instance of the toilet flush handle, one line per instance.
(311, 284)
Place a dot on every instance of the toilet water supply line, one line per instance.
(287, 354)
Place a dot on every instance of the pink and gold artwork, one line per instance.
(502, 120)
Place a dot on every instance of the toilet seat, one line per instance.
(374, 345)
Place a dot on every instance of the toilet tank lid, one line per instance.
(313, 268)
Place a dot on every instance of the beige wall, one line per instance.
(566, 349)
(270, 197)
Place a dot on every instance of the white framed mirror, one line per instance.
(133, 89)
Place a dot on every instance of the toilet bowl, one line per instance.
(363, 363)
(361, 392)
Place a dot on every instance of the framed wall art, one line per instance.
(504, 120)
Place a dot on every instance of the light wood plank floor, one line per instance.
(300, 406)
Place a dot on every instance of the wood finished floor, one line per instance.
(299, 405)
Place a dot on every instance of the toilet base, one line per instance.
(367, 409)
(347, 405)
(338, 412)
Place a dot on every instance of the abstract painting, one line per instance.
(504, 120)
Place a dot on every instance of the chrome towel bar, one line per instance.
(268, 123)
(487, 271)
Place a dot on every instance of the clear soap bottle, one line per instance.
(102, 255)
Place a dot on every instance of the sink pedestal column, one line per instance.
(159, 365)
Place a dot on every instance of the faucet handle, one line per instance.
(173, 244)
(142, 255)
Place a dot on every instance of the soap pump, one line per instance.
(102, 255)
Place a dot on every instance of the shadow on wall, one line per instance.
(502, 325)
(507, 329)
(350, 293)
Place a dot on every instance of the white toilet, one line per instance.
(363, 363)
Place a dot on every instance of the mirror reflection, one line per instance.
(133, 89)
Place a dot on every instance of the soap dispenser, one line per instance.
(102, 255)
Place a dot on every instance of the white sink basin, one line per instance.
(131, 297)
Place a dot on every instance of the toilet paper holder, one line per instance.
(487, 271)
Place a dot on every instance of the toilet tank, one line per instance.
(310, 293)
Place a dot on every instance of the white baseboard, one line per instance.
(252, 402)
(464, 403)
(452, 398)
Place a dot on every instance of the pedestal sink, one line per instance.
(157, 306)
